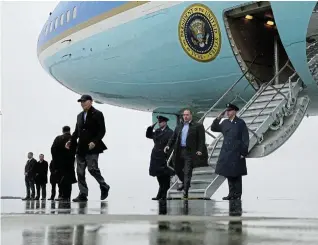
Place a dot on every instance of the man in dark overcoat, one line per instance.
(232, 163)
(64, 163)
(29, 177)
(40, 170)
(54, 180)
(158, 163)
(89, 131)
(188, 142)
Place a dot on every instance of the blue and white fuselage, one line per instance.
(130, 54)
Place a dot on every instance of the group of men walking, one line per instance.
(186, 141)
(84, 145)
(189, 151)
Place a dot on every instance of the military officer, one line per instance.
(158, 163)
(231, 163)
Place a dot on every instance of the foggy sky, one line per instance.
(35, 107)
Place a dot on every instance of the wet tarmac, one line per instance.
(182, 222)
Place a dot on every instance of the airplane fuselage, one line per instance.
(163, 56)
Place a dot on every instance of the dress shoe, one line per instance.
(104, 193)
(80, 198)
(26, 199)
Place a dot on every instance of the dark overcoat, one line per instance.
(29, 169)
(195, 142)
(63, 159)
(41, 169)
(232, 162)
(90, 130)
(158, 159)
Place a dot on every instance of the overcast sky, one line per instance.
(35, 107)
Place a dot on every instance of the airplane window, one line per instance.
(46, 29)
(62, 19)
(51, 27)
(68, 15)
(56, 23)
(74, 12)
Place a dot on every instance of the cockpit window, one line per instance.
(74, 12)
(68, 15)
(56, 23)
(51, 27)
(62, 19)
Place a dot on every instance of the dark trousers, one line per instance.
(53, 191)
(235, 186)
(164, 184)
(65, 187)
(184, 167)
(91, 162)
(29, 184)
(40, 187)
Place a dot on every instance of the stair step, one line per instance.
(250, 113)
(274, 91)
(258, 119)
(269, 98)
(261, 105)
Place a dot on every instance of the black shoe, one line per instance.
(226, 198)
(59, 199)
(51, 198)
(37, 198)
(185, 194)
(104, 193)
(80, 198)
(26, 199)
(155, 198)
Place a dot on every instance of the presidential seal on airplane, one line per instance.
(199, 33)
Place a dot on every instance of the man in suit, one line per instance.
(29, 177)
(188, 140)
(54, 180)
(41, 169)
(231, 163)
(64, 160)
(158, 163)
(89, 130)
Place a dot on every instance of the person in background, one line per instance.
(89, 130)
(232, 163)
(54, 180)
(188, 141)
(64, 163)
(158, 163)
(40, 170)
(29, 177)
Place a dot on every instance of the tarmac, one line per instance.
(182, 222)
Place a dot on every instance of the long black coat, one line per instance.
(158, 161)
(195, 142)
(231, 162)
(63, 160)
(41, 169)
(92, 130)
(29, 169)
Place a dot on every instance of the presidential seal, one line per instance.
(199, 33)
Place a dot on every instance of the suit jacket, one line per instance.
(40, 170)
(195, 142)
(29, 168)
(91, 130)
(62, 159)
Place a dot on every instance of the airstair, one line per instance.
(264, 116)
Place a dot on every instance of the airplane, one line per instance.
(162, 57)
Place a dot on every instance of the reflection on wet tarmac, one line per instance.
(188, 231)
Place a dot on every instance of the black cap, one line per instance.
(84, 98)
(230, 107)
(162, 119)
